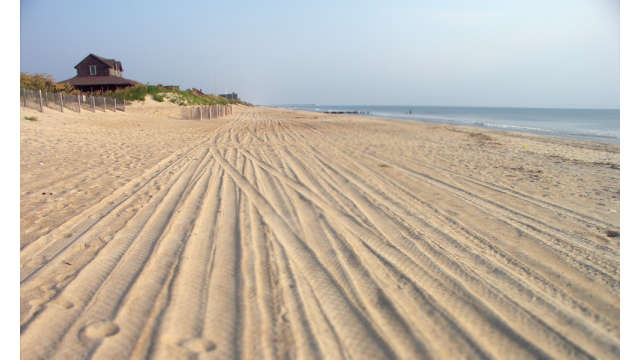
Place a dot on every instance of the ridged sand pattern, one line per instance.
(279, 234)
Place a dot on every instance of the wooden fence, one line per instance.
(206, 112)
(39, 100)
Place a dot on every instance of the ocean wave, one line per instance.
(588, 134)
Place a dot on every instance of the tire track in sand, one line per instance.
(97, 290)
(358, 339)
(272, 240)
(471, 281)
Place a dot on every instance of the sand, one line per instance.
(274, 234)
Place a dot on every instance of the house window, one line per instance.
(92, 69)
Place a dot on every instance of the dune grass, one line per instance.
(180, 97)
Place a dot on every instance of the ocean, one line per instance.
(586, 124)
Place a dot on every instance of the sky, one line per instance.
(451, 53)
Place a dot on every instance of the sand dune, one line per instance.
(282, 234)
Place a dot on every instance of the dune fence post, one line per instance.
(40, 99)
(61, 103)
(78, 98)
(93, 103)
(115, 104)
(46, 99)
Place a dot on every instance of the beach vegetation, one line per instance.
(31, 118)
(158, 93)
(45, 82)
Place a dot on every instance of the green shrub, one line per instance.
(134, 93)
(31, 118)
(158, 98)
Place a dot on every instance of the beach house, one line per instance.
(231, 96)
(95, 73)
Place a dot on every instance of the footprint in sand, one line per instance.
(99, 329)
(198, 345)
(36, 261)
(63, 303)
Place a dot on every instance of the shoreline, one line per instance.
(540, 132)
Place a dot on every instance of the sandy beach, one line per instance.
(273, 234)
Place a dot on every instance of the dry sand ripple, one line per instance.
(280, 234)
